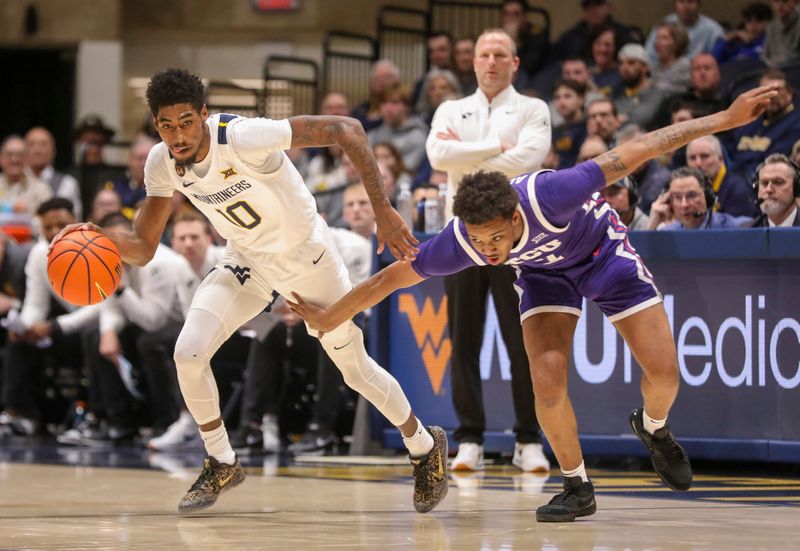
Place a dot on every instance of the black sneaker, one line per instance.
(577, 500)
(668, 457)
(215, 479)
(316, 439)
(246, 438)
(430, 473)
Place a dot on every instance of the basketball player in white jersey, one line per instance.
(235, 171)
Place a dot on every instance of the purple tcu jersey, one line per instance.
(564, 220)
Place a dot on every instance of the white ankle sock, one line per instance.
(652, 425)
(579, 471)
(420, 443)
(218, 446)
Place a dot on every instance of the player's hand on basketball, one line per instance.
(83, 226)
(316, 317)
(750, 105)
(394, 233)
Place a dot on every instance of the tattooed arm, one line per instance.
(624, 159)
(320, 131)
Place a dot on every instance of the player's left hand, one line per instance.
(316, 317)
(394, 233)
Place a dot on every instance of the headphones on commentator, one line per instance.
(633, 197)
(776, 158)
(705, 182)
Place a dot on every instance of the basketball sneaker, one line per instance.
(216, 478)
(430, 473)
(577, 500)
(181, 434)
(316, 440)
(668, 457)
(468, 458)
(247, 439)
(530, 458)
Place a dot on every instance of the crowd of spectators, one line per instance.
(606, 82)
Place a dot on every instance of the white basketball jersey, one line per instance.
(259, 209)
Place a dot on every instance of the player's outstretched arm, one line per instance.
(323, 130)
(136, 248)
(369, 293)
(625, 158)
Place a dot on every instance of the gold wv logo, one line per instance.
(428, 326)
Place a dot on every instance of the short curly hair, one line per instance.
(483, 197)
(174, 86)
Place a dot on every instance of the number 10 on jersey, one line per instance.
(241, 214)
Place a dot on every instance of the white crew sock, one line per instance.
(218, 446)
(420, 443)
(580, 471)
(652, 425)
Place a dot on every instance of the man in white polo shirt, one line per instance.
(496, 128)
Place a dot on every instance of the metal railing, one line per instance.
(291, 86)
(346, 67)
(401, 38)
(228, 97)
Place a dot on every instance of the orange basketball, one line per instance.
(84, 267)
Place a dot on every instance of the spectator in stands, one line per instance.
(439, 85)
(602, 120)
(679, 112)
(131, 189)
(532, 42)
(463, 54)
(388, 155)
(43, 316)
(795, 156)
(19, 192)
(13, 257)
(622, 197)
(191, 239)
(649, 178)
(733, 191)
(782, 43)
(568, 137)
(384, 74)
(440, 56)
(605, 45)
(692, 199)
(778, 189)
(325, 171)
(703, 31)
(577, 70)
(91, 135)
(773, 132)
(40, 154)
(591, 147)
(575, 40)
(399, 128)
(639, 102)
(104, 203)
(671, 67)
(746, 41)
(703, 97)
(496, 128)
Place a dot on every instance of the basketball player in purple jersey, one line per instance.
(565, 243)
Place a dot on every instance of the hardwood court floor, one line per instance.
(345, 506)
